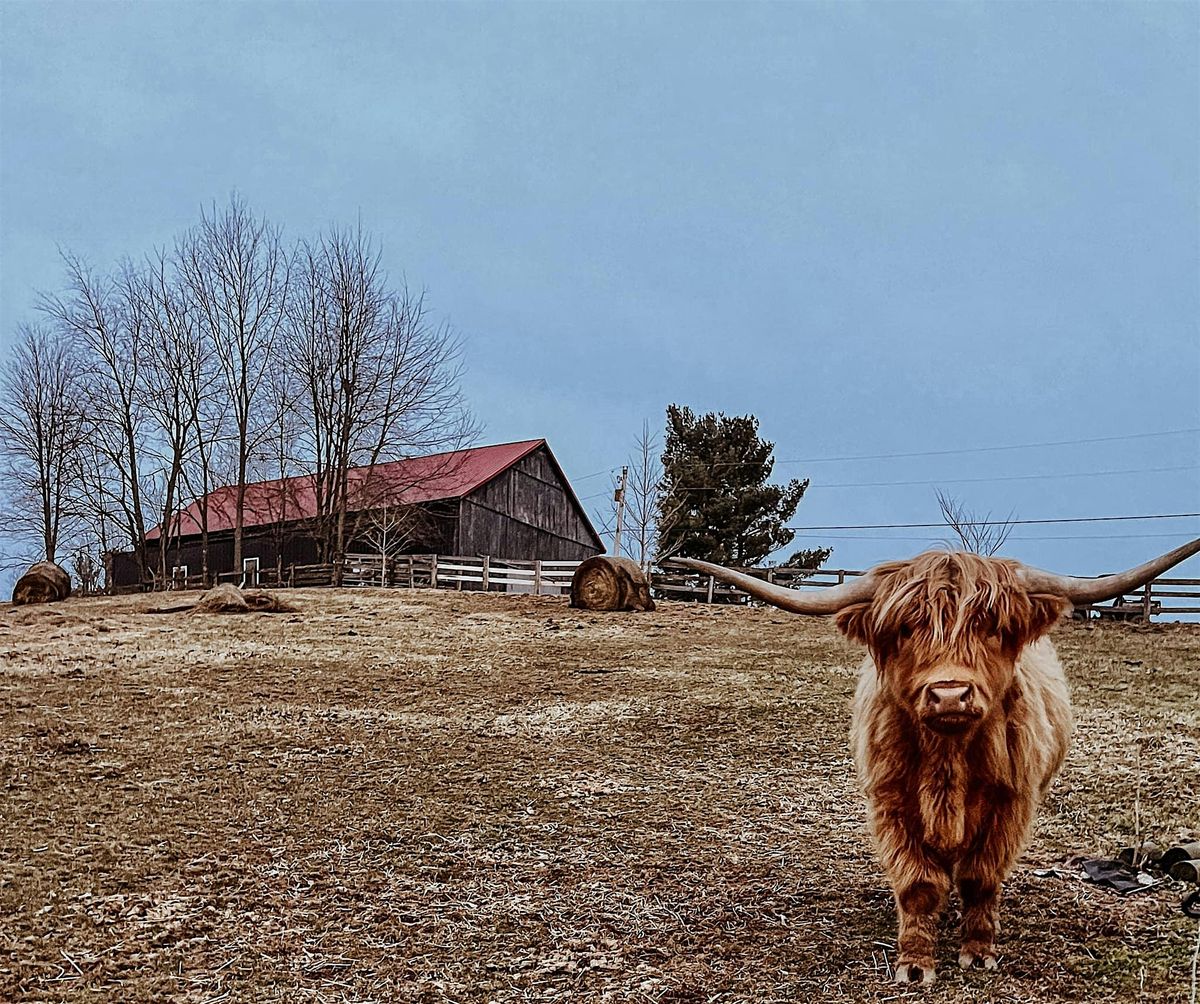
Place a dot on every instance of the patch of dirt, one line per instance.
(414, 796)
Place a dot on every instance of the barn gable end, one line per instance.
(528, 509)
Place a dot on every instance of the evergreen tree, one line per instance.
(717, 504)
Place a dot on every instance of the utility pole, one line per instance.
(619, 498)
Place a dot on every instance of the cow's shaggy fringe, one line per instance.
(951, 602)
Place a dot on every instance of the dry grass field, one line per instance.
(418, 796)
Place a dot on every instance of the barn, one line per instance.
(511, 500)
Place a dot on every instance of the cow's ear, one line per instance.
(1048, 610)
(1045, 610)
(855, 623)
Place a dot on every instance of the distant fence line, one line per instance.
(1139, 604)
(669, 580)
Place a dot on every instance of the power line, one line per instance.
(942, 453)
(597, 474)
(995, 522)
(959, 481)
(944, 526)
(987, 449)
(1008, 477)
(1106, 536)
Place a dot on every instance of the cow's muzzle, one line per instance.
(950, 706)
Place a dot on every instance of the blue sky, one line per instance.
(882, 228)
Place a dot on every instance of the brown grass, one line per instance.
(417, 796)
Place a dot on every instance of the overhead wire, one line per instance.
(961, 481)
(1093, 536)
(981, 449)
(945, 453)
(999, 478)
(997, 522)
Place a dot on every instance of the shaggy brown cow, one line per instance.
(959, 724)
(45, 582)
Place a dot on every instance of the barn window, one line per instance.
(249, 572)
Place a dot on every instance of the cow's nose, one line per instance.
(947, 697)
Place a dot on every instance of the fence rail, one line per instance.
(460, 572)
(677, 581)
(669, 581)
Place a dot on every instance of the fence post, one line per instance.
(841, 576)
(537, 577)
(487, 560)
(433, 584)
(711, 582)
(1146, 602)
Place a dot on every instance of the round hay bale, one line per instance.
(45, 582)
(609, 583)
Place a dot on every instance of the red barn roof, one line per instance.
(401, 482)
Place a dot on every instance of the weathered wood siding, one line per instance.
(525, 512)
(297, 549)
(294, 546)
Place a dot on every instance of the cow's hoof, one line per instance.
(977, 958)
(915, 972)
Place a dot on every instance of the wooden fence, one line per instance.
(670, 581)
(1160, 597)
(460, 572)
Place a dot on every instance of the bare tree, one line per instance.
(379, 381)
(276, 461)
(175, 354)
(188, 386)
(87, 569)
(209, 457)
(41, 433)
(97, 495)
(237, 271)
(104, 315)
(978, 533)
(392, 529)
(643, 496)
(643, 491)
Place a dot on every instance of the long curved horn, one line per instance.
(818, 601)
(1106, 587)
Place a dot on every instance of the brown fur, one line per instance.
(954, 809)
(45, 582)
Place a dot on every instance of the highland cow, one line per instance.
(959, 724)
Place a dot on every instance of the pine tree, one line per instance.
(717, 504)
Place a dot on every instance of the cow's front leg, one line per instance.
(981, 920)
(979, 878)
(920, 899)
